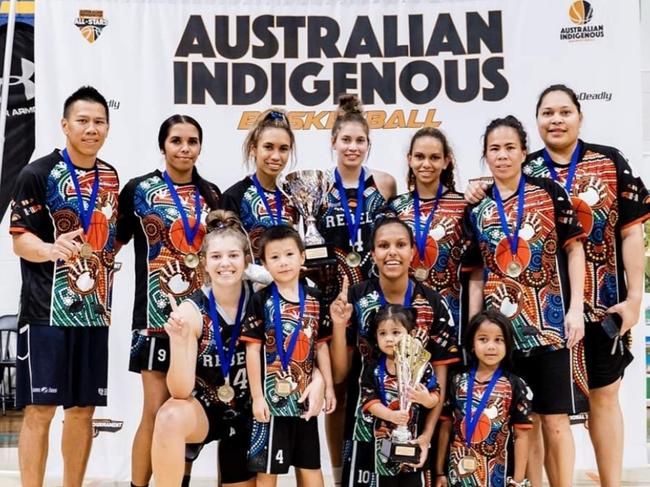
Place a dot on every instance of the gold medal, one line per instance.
(514, 269)
(191, 260)
(86, 251)
(226, 393)
(353, 259)
(282, 387)
(468, 464)
(421, 273)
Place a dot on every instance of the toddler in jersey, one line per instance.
(380, 396)
(285, 334)
(499, 406)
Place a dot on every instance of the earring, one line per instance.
(373, 270)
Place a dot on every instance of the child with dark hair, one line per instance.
(380, 395)
(489, 403)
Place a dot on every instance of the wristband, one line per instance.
(512, 483)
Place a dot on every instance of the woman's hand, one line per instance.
(574, 326)
(176, 327)
(330, 400)
(261, 411)
(340, 309)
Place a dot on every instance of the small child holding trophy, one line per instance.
(500, 405)
(394, 390)
(285, 336)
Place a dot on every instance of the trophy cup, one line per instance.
(411, 360)
(307, 190)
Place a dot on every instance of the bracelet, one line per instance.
(510, 482)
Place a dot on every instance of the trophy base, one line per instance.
(400, 452)
(318, 256)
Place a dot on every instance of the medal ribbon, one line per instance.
(420, 232)
(190, 232)
(225, 360)
(277, 220)
(277, 318)
(514, 239)
(85, 214)
(382, 376)
(472, 421)
(407, 296)
(572, 166)
(353, 226)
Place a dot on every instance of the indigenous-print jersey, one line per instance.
(434, 328)
(209, 376)
(370, 394)
(535, 301)
(608, 197)
(334, 229)
(148, 214)
(259, 327)
(243, 199)
(77, 292)
(444, 244)
(508, 407)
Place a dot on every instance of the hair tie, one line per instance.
(276, 116)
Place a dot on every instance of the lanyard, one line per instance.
(421, 233)
(279, 335)
(407, 296)
(190, 232)
(514, 239)
(572, 166)
(226, 359)
(352, 225)
(277, 220)
(472, 421)
(85, 213)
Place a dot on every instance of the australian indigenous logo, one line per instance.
(581, 14)
(91, 23)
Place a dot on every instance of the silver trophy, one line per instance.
(307, 190)
(411, 360)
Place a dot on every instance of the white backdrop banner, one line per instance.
(451, 64)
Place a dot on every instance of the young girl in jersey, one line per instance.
(256, 198)
(380, 397)
(285, 335)
(500, 404)
(164, 212)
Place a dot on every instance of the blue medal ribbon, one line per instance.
(472, 421)
(407, 296)
(190, 232)
(382, 377)
(573, 165)
(277, 220)
(226, 359)
(277, 319)
(85, 213)
(352, 225)
(514, 239)
(421, 233)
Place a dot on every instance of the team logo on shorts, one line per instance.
(91, 23)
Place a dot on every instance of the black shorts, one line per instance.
(406, 479)
(358, 463)
(284, 442)
(603, 367)
(550, 376)
(149, 352)
(62, 366)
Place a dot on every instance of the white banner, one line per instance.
(455, 65)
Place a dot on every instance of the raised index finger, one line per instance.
(172, 302)
(344, 288)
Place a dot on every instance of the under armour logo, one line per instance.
(27, 71)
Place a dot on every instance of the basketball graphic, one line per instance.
(584, 214)
(430, 254)
(97, 231)
(90, 32)
(177, 236)
(483, 428)
(301, 352)
(503, 255)
(581, 12)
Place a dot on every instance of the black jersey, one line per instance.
(77, 292)
(147, 213)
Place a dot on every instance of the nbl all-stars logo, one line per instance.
(91, 23)
(581, 14)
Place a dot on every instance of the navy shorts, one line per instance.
(603, 366)
(284, 442)
(62, 366)
(149, 352)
